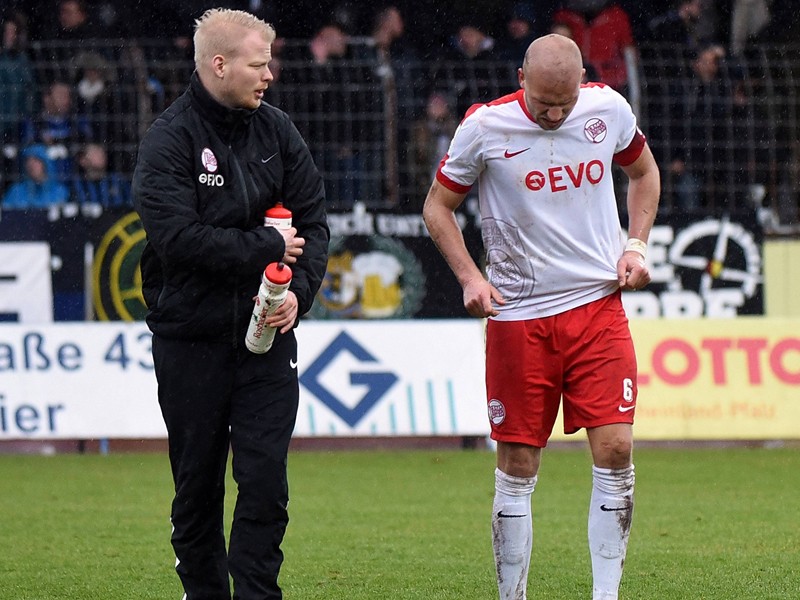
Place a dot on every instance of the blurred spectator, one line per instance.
(339, 112)
(748, 19)
(16, 83)
(59, 128)
(94, 95)
(95, 185)
(468, 68)
(74, 24)
(345, 14)
(473, 43)
(677, 25)
(709, 137)
(397, 57)
(77, 29)
(602, 30)
(430, 139)
(328, 44)
(520, 32)
(388, 29)
(38, 188)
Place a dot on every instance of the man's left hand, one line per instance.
(286, 315)
(632, 272)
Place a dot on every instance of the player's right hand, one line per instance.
(294, 245)
(479, 296)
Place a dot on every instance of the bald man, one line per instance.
(207, 170)
(557, 262)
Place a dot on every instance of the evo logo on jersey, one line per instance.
(559, 178)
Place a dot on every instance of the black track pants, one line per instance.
(213, 396)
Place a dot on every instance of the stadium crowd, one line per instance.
(378, 90)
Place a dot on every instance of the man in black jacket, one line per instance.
(207, 170)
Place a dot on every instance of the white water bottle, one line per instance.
(278, 217)
(271, 294)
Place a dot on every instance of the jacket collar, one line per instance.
(221, 117)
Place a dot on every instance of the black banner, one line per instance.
(383, 264)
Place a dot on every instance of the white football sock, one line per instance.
(512, 533)
(610, 514)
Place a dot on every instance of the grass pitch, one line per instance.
(709, 525)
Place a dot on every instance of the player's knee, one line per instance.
(615, 452)
(518, 460)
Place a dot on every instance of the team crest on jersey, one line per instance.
(209, 160)
(497, 412)
(595, 130)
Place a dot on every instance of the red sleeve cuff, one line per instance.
(449, 183)
(632, 152)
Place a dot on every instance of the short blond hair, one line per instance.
(216, 32)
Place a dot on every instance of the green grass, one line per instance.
(709, 524)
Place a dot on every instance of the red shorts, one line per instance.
(584, 356)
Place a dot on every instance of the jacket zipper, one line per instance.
(243, 184)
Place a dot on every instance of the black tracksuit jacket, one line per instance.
(205, 175)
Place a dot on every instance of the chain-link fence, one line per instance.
(726, 133)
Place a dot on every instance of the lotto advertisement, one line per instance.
(712, 379)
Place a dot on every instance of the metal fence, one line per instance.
(726, 135)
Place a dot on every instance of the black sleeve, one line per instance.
(164, 195)
(304, 195)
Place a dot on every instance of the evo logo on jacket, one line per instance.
(210, 164)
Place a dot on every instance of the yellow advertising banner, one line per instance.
(716, 379)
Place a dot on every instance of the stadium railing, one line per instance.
(361, 118)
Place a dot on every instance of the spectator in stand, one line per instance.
(431, 137)
(59, 128)
(95, 185)
(71, 32)
(677, 26)
(346, 15)
(709, 134)
(473, 43)
(748, 19)
(16, 81)
(520, 32)
(95, 101)
(393, 49)
(396, 55)
(388, 28)
(468, 68)
(111, 108)
(338, 141)
(602, 29)
(319, 70)
(74, 24)
(38, 188)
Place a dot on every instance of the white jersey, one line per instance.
(549, 217)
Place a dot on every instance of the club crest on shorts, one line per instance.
(595, 130)
(497, 412)
(209, 160)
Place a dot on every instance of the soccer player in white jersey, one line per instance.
(557, 262)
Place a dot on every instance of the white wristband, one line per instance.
(636, 245)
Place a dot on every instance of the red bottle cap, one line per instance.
(278, 273)
(278, 212)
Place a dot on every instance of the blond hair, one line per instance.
(217, 32)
